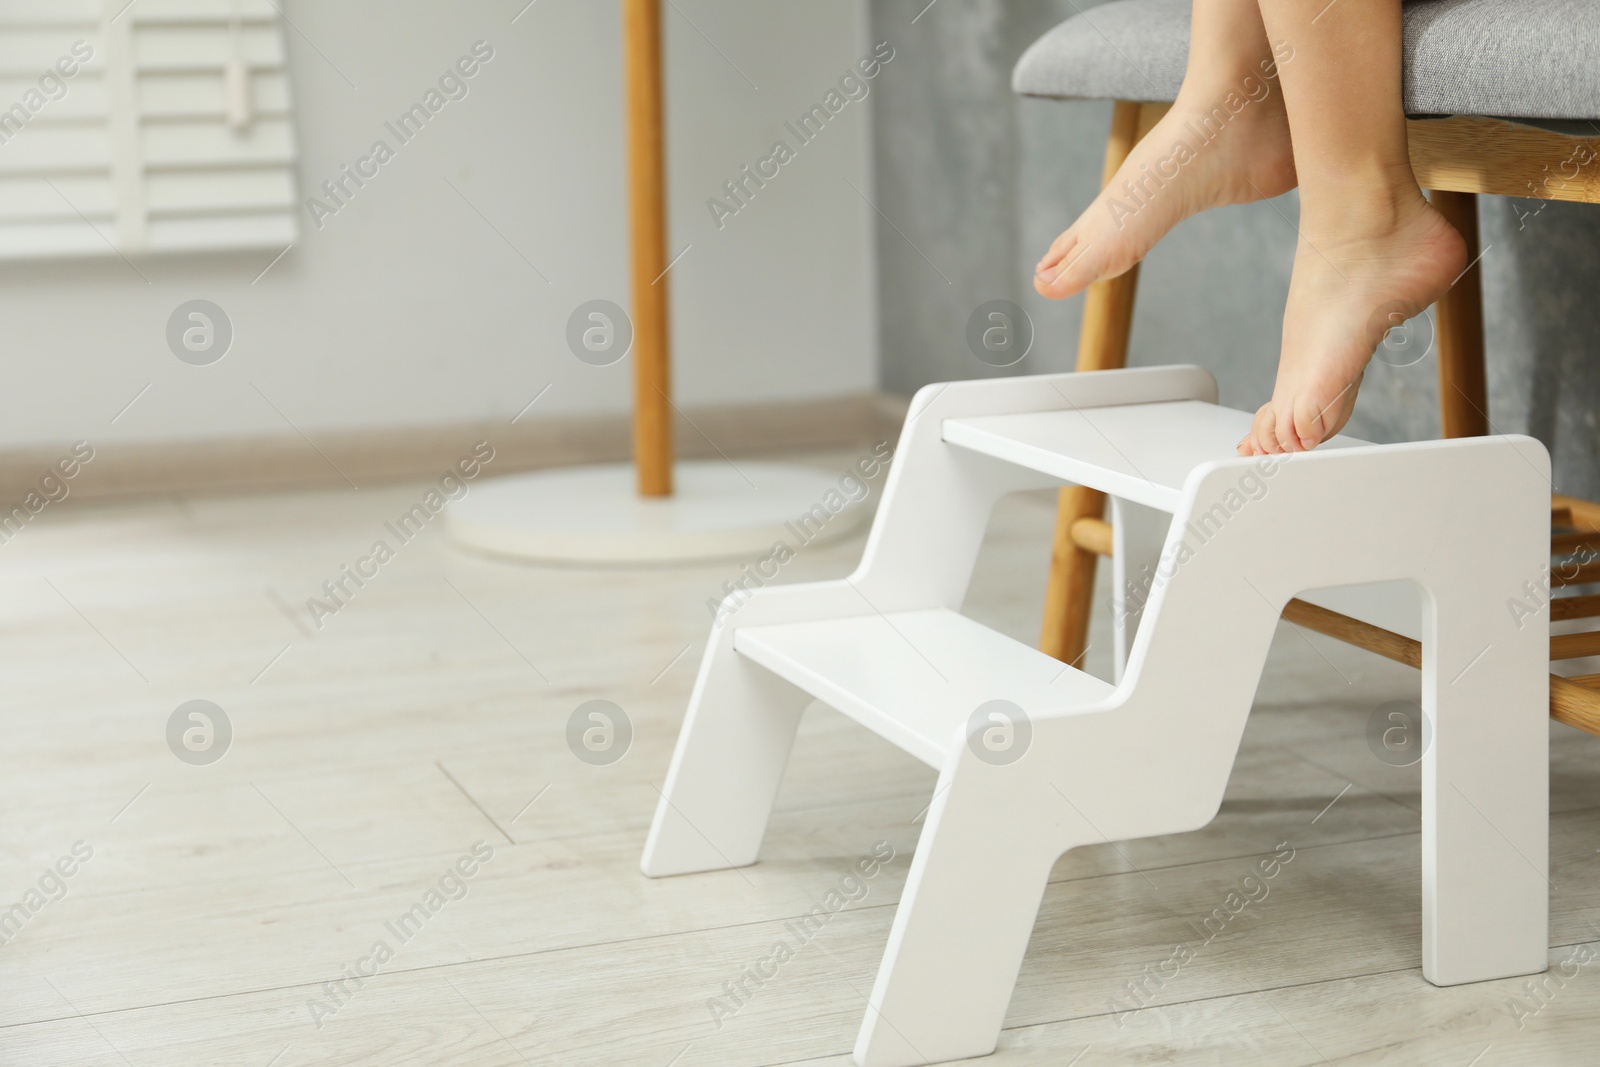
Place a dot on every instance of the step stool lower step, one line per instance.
(915, 677)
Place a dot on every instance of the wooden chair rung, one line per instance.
(1574, 607)
(1574, 704)
(1385, 643)
(1572, 700)
(1561, 518)
(1561, 544)
(1092, 535)
(1575, 646)
(1581, 514)
(1564, 576)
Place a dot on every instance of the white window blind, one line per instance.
(175, 134)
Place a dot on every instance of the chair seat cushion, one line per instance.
(1524, 59)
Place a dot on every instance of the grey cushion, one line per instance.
(1524, 59)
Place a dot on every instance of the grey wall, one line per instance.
(975, 183)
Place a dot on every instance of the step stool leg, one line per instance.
(1485, 784)
(961, 929)
(726, 769)
(1485, 797)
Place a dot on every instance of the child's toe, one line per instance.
(1073, 273)
(1309, 427)
(1263, 431)
(1058, 251)
(1065, 240)
(1283, 426)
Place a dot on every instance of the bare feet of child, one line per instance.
(1372, 261)
(1202, 154)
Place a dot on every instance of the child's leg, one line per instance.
(1225, 141)
(1372, 251)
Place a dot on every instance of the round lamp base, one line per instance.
(593, 514)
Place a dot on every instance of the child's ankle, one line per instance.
(1227, 97)
(1374, 198)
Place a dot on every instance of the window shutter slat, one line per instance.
(138, 155)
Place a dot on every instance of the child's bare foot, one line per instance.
(1358, 271)
(1203, 153)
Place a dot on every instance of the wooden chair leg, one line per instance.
(1102, 345)
(1463, 389)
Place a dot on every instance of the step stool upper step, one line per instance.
(915, 677)
(1140, 452)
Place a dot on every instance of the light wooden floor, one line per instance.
(429, 715)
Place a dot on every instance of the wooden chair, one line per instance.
(1134, 51)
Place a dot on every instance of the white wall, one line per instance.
(406, 308)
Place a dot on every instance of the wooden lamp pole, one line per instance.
(716, 511)
(652, 376)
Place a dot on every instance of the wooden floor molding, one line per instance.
(373, 457)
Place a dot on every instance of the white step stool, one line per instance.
(1465, 519)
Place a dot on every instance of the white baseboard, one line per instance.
(369, 457)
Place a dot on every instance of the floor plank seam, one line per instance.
(1417, 811)
(654, 937)
(474, 802)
